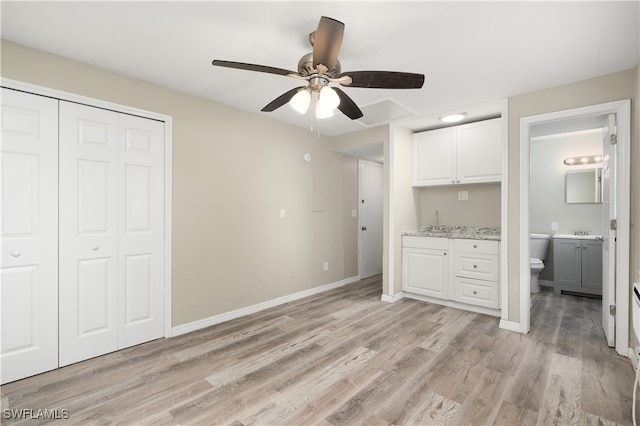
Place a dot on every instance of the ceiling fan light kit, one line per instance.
(322, 67)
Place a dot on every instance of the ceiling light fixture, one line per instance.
(328, 101)
(453, 118)
(581, 161)
(301, 100)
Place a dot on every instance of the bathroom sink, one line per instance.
(579, 237)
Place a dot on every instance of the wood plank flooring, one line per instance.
(345, 358)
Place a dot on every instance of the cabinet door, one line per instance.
(425, 271)
(567, 261)
(592, 265)
(29, 268)
(479, 152)
(433, 157)
(88, 232)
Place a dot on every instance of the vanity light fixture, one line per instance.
(581, 161)
(453, 118)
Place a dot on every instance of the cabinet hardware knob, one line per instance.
(475, 292)
(444, 254)
(475, 266)
(364, 228)
(95, 247)
(15, 253)
(475, 246)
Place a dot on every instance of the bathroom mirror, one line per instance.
(583, 186)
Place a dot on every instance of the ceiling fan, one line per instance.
(321, 67)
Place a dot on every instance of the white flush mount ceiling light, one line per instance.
(584, 160)
(453, 118)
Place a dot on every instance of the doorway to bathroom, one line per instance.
(550, 143)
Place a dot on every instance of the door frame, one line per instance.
(360, 183)
(622, 109)
(168, 150)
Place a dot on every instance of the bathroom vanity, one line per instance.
(456, 267)
(577, 264)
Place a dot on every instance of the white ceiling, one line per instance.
(473, 54)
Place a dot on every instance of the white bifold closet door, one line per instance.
(29, 269)
(111, 231)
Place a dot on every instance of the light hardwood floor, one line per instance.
(344, 357)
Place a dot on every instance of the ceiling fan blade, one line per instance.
(281, 100)
(251, 67)
(347, 106)
(385, 79)
(327, 43)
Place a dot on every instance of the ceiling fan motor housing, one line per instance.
(306, 68)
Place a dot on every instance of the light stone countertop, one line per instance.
(463, 232)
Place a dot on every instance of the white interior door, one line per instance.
(88, 232)
(370, 182)
(141, 230)
(29, 269)
(609, 205)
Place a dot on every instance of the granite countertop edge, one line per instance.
(458, 232)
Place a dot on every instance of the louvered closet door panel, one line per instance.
(29, 268)
(88, 232)
(141, 230)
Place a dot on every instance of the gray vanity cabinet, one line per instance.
(577, 265)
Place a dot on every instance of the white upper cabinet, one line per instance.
(471, 153)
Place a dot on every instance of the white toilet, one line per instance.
(538, 246)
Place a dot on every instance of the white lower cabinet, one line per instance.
(83, 232)
(459, 272)
(425, 266)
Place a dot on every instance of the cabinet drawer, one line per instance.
(477, 246)
(425, 242)
(476, 292)
(479, 266)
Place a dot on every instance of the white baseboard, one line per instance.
(545, 283)
(217, 319)
(510, 325)
(633, 355)
(392, 299)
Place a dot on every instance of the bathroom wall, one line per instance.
(481, 209)
(547, 193)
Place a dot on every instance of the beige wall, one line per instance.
(232, 173)
(350, 223)
(481, 209)
(608, 88)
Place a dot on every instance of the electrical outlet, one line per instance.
(463, 195)
(283, 213)
(554, 226)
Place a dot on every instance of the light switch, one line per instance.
(554, 226)
(463, 195)
(354, 213)
(283, 214)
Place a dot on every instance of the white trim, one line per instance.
(168, 143)
(392, 299)
(622, 109)
(227, 316)
(504, 215)
(634, 357)
(510, 325)
(391, 204)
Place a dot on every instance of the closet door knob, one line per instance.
(15, 253)
(95, 247)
